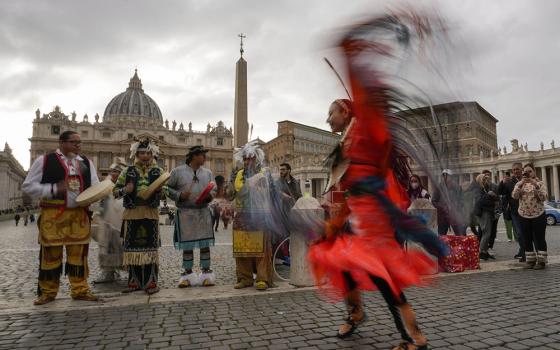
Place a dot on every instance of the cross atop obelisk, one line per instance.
(242, 36)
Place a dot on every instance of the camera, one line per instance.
(526, 174)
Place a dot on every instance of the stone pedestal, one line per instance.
(305, 215)
(428, 213)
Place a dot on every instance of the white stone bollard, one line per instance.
(305, 214)
(424, 208)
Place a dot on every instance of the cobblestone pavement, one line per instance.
(19, 254)
(517, 309)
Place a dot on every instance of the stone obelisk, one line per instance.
(240, 118)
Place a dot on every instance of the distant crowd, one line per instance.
(519, 198)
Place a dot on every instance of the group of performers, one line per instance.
(128, 225)
(127, 231)
(360, 246)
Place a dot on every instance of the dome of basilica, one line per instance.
(134, 102)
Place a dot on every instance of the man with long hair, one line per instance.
(193, 220)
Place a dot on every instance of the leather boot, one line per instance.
(356, 315)
(542, 259)
(531, 260)
(409, 320)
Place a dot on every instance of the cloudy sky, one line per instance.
(79, 54)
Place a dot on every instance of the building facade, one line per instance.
(129, 115)
(305, 148)
(469, 128)
(12, 176)
(471, 133)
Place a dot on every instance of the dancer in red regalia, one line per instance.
(361, 248)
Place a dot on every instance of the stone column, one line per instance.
(301, 184)
(9, 189)
(471, 177)
(3, 188)
(544, 178)
(556, 183)
(323, 185)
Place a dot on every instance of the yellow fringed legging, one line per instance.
(76, 268)
(261, 266)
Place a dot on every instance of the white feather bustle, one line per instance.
(209, 277)
(191, 277)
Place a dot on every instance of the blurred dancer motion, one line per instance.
(252, 248)
(108, 235)
(361, 245)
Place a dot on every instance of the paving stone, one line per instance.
(517, 346)
(278, 347)
(493, 341)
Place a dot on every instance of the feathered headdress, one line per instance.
(144, 145)
(250, 150)
(119, 165)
